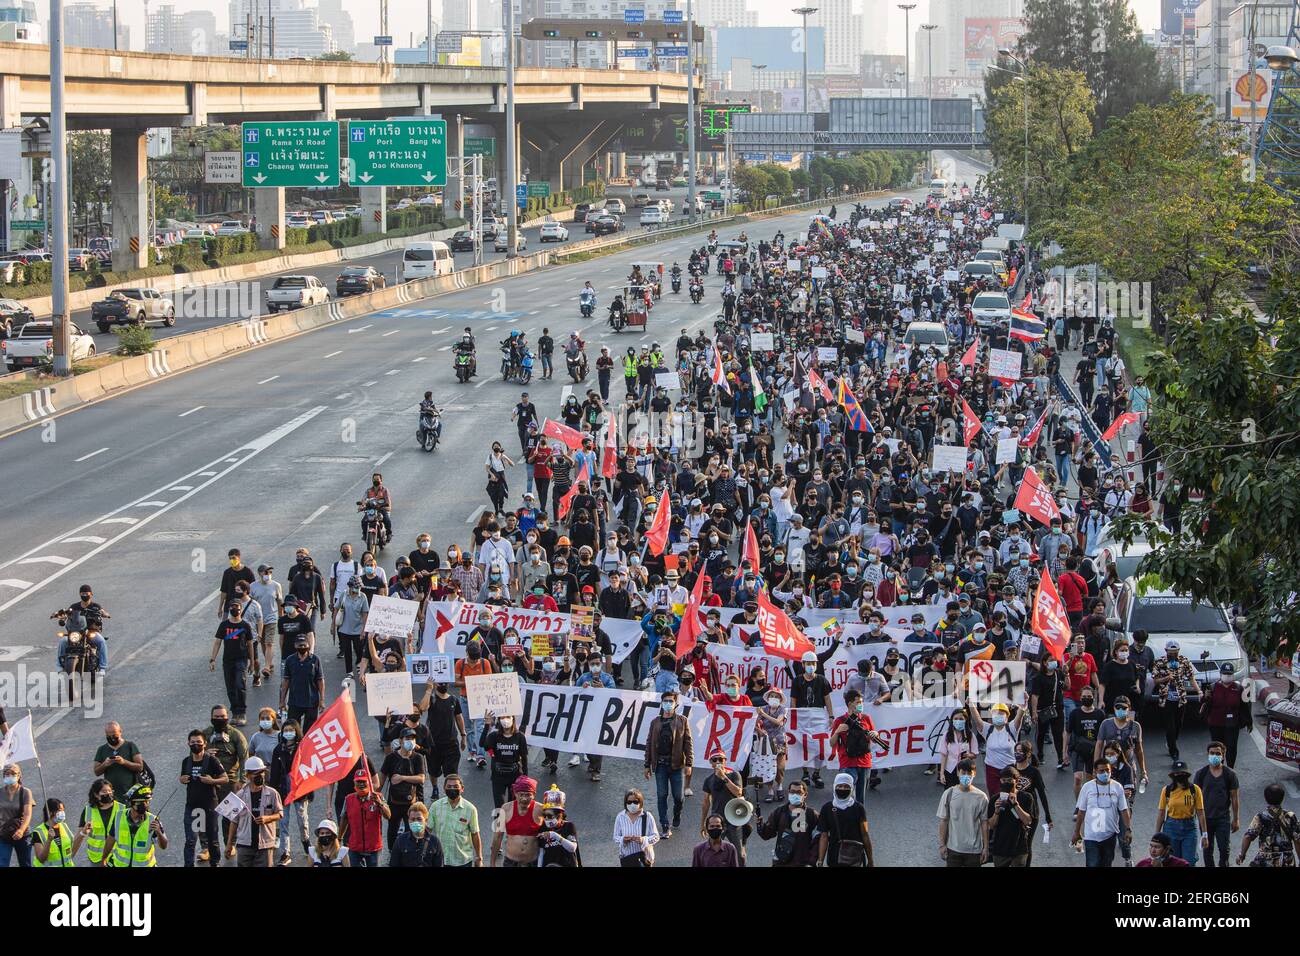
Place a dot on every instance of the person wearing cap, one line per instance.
(361, 827)
(1226, 710)
(977, 646)
(1174, 679)
(1102, 817)
(327, 850)
(1000, 733)
(852, 735)
(1161, 853)
(295, 622)
(721, 787)
(234, 639)
(1181, 813)
(253, 835)
(350, 614)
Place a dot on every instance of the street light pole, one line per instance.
(929, 29)
(804, 12)
(512, 173)
(907, 9)
(690, 111)
(61, 332)
(1023, 76)
(428, 33)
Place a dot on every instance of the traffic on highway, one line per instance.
(576, 570)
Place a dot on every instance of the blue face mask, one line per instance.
(416, 826)
(1103, 777)
(964, 779)
(1215, 760)
(1121, 712)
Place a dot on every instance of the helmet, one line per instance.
(139, 794)
(563, 542)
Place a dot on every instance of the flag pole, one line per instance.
(40, 772)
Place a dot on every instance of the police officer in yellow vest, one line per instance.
(52, 842)
(99, 819)
(132, 842)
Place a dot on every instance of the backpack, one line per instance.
(1277, 832)
(856, 741)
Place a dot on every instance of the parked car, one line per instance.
(231, 227)
(79, 259)
(553, 232)
(34, 345)
(13, 315)
(462, 241)
(502, 240)
(607, 225)
(132, 307)
(296, 292)
(355, 280)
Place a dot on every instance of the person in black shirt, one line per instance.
(508, 748)
(309, 588)
(545, 351)
(230, 577)
(201, 774)
(562, 585)
(292, 625)
(403, 770)
(424, 559)
(1033, 794)
(234, 638)
(1047, 710)
(1010, 831)
(447, 736)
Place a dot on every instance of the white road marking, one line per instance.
(250, 449)
(206, 474)
(440, 331)
(151, 504)
(85, 538)
(332, 354)
(366, 384)
(418, 358)
(15, 583)
(343, 396)
(473, 515)
(191, 411)
(265, 380)
(317, 513)
(46, 559)
(181, 488)
(533, 289)
(445, 348)
(91, 455)
(392, 371)
(387, 334)
(361, 329)
(383, 458)
(484, 382)
(491, 328)
(534, 312)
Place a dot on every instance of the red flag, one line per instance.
(1027, 305)
(1118, 425)
(609, 466)
(819, 383)
(970, 424)
(1035, 500)
(571, 437)
(1030, 440)
(328, 751)
(719, 376)
(780, 636)
(689, 630)
(657, 535)
(567, 501)
(1050, 621)
(969, 357)
(750, 551)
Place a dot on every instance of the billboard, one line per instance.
(780, 48)
(986, 35)
(881, 72)
(1244, 93)
(653, 134)
(1176, 14)
(818, 99)
(715, 120)
(898, 114)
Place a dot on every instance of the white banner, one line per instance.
(762, 341)
(1007, 448)
(827, 353)
(997, 682)
(448, 624)
(498, 693)
(949, 458)
(913, 732)
(792, 265)
(1004, 363)
(819, 272)
(855, 335)
(951, 275)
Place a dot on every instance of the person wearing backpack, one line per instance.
(793, 826)
(1277, 830)
(851, 736)
(842, 824)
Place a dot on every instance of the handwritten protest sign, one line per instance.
(498, 693)
(388, 692)
(391, 616)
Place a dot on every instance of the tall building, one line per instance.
(717, 14)
(331, 12)
(460, 15)
(843, 29)
(878, 19)
(965, 41)
(88, 25)
(297, 29)
(19, 23)
(193, 32)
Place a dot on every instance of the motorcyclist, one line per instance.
(467, 339)
(676, 271)
(617, 309)
(86, 617)
(575, 346)
(587, 297)
(427, 407)
(378, 497)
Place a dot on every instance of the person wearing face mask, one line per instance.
(280, 777)
(1125, 733)
(201, 775)
(262, 742)
(403, 771)
(557, 838)
(118, 760)
(793, 825)
(1047, 710)
(595, 676)
(843, 836)
(669, 751)
(1221, 794)
(714, 852)
(1080, 669)
(327, 850)
(454, 821)
(721, 787)
(350, 615)
(852, 735)
(1033, 794)
(138, 831)
(1081, 731)
(253, 835)
(53, 843)
(507, 747)
(98, 819)
(1226, 711)
(269, 597)
(416, 845)
(302, 685)
(635, 832)
(1175, 680)
(308, 587)
(362, 819)
(234, 639)
(293, 624)
(964, 820)
(1010, 824)
(773, 716)
(16, 808)
(230, 576)
(1181, 813)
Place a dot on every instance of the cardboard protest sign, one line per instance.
(388, 692)
(498, 693)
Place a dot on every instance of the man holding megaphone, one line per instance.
(722, 788)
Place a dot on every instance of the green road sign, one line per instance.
(291, 154)
(401, 152)
(480, 146)
(27, 225)
(539, 189)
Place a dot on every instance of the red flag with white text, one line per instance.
(1030, 440)
(689, 630)
(609, 465)
(970, 424)
(1035, 500)
(968, 357)
(328, 751)
(1118, 425)
(1050, 620)
(571, 437)
(780, 636)
(750, 551)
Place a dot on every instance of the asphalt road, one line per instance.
(385, 263)
(142, 495)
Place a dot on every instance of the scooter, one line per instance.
(587, 304)
(464, 364)
(430, 431)
(372, 528)
(577, 367)
(677, 283)
(525, 368)
(697, 292)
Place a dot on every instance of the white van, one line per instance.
(653, 215)
(939, 188)
(421, 260)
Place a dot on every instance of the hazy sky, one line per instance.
(407, 16)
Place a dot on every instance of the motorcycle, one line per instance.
(464, 365)
(617, 319)
(430, 430)
(525, 372)
(677, 283)
(78, 654)
(577, 366)
(509, 364)
(697, 292)
(587, 304)
(372, 528)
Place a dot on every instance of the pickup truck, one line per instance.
(34, 345)
(296, 292)
(132, 307)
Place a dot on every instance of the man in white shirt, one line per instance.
(497, 550)
(1101, 817)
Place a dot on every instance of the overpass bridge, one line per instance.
(865, 123)
(564, 117)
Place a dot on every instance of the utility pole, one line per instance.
(929, 29)
(428, 34)
(512, 172)
(907, 9)
(115, 25)
(62, 332)
(690, 111)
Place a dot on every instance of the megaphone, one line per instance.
(738, 811)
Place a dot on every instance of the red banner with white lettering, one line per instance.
(328, 751)
(1118, 425)
(970, 424)
(571, 437)
(1050, 620)
(689, 630)
(1035, 500)
(779, 634)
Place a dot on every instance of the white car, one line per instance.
(429, 200)
(404, 204)
(616, 206)
(491, 226)
(34, 345)
(231, 227)
(502, 240)
(552, 232)
(1110, 550)
(296, 292)
(297, 222)
(991, 309)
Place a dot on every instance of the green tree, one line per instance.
(779, 177)
(1060, 125)
(799, 179)
(1102, 40)
(1158, 197)
(90, 187)
(339, 55)
(754, 182)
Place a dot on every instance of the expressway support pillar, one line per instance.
(268, 209)
(11, 112)
(453, 194)
(130, 179)
(374, 209)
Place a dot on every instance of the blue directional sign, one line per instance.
(672, 16)
(634, 16)
(239, 46)
(521, 194)
(383, 41)
(671, 51)
(634, 51)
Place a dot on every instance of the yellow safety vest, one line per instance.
(99, 830)
(60, 846)
(629, 367)
(133, 845)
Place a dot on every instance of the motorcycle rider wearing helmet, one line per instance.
(466, 347)
(86, 617)
(131, 842)
(617, 308)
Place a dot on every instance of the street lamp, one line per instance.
(690, 111)
(907, 9)
(1281, 58)
(804, 12)
(929, 29)
(512, 145)
(1023, 76)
